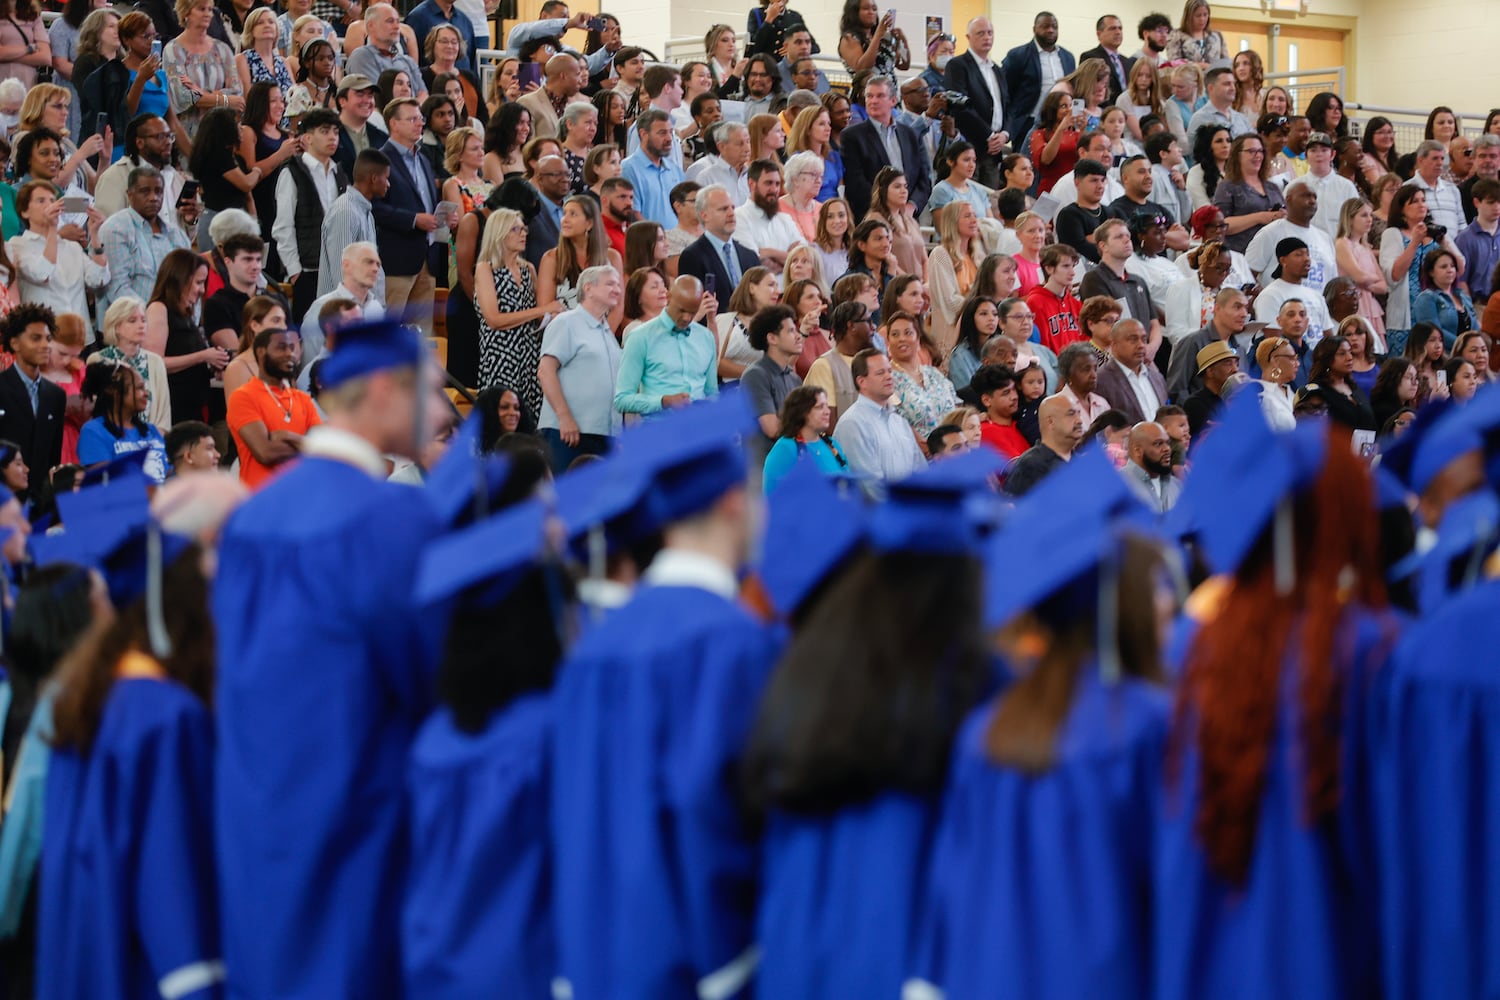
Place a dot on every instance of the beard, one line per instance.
(1155, 469)
(770, 205)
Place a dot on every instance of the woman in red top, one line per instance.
(996, 387)
(1054, 143)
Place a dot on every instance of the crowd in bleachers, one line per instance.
(566, 523)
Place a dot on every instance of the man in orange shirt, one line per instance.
(268, 416)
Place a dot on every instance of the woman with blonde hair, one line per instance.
(258, 60)
(767, 138)
(1088, 83)
(1031, 230)
(804, 263)
(124, 329)
(48, 106)
(201, 71)
(1142, 96)
(952, 267)
(812, 132)
(261, 313)
(1357, 259)
(510, 320)
(582, 243)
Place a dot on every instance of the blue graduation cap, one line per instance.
(813, 524)
(1241, 474)
(115, 541)
(463, 480)
(1057, 536)
(941, 508)
(693, 455)
(496, 552)
(125, 466)
(123, 495)
(367, 347)
(1467, 534)
(603, 495)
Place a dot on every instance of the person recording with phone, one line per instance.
(54, 270)
(871, 40)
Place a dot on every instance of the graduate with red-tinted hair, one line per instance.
(1265, 871)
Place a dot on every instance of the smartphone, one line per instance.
(597, 24)
(1442, 377)
(530, 73)
(891, 14)
(77, 204)
(711, 283)
(156, 49)
(103, 122)
(189, 192)
(1078, 106)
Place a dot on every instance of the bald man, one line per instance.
(983, 120)
(547, 101)
(1061, 424)
(673, 359)
(1149, 470)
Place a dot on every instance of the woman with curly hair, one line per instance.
(507, 132)
(1264, 847)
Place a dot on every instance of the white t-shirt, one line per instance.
(1261, 253)
(1270, 300)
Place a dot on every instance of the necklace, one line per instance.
(286, 412)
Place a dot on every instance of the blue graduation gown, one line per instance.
(1303, 924)
(478, 909)
(840, 904)
(1040, 886)
(325, 673)
(655, 869)
(1437, 797)
(126, 904)
(21, 832)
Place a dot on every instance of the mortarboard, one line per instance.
(1057, 535)
(462, 483)
(1241, 474)
(365, 348)
(941, 508)
(116, 542)
(1466, 535)
(813, 524)
(693, 456)
(124, 466)
(497, 551)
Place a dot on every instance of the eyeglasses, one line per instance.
(165, 134)
(1215, 225)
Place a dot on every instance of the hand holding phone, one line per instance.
(156, 49)
(710, 283)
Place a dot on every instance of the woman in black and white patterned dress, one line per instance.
(510, 321)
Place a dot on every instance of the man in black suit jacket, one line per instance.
(356, 101)
(704, 257)
(404, 218)
(36, 427)
(980, 121)
(865, 151)
(1023, 72)
(1110, 31)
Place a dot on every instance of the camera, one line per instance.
(1434, 230)
(955, 98)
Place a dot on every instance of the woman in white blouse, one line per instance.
(53, 271)
(757, 289)
(1278, 363)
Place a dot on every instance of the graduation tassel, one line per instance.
(1109, 614)
(156, 624)
(1283, 542)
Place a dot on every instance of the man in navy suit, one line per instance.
(1111, 33)
(873, 144)
(31, 405)
(404, 219)
(985, 119)
(715, 258)
(550, 182)
(1032, 69)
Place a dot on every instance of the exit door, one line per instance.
(1293, 48)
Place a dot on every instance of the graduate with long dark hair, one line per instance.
(849, 753)
(1041, 873)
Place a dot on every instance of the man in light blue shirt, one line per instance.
(674, 359)
(579, 369)
(878, 442)
(652, 169)
(554, 22)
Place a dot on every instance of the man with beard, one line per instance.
(148, 140)
(1149, 471)
(760, 224)
(268, 415)
(652, 169)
